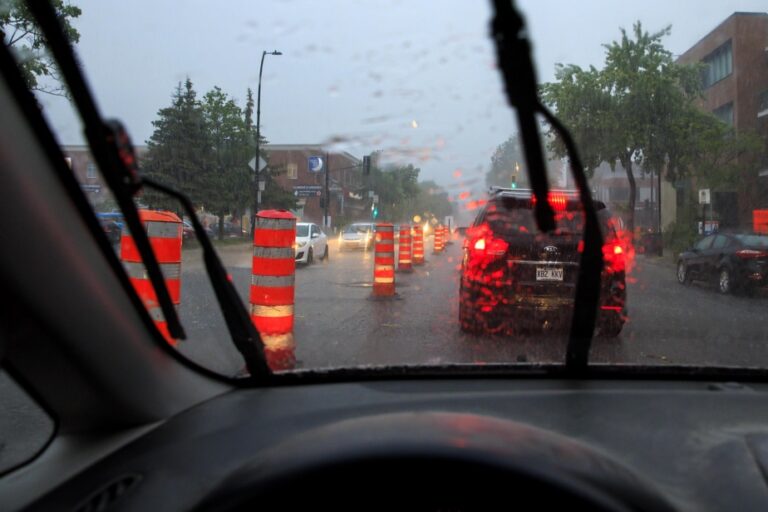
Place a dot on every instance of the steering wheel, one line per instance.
(433, 460)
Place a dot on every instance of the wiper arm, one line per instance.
(114, 154)
(244, 335)
(514, 56)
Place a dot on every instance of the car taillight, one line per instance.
(751, 254)
(489, 246)
(613, 256)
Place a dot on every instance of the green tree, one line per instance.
(629, 111)
(397, 187)
(179, 150)
(228, 184)
(431, 202)
(22, 35)
(506, 164)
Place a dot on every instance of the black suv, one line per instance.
(514, 278)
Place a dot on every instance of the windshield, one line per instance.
(351, 115)
(753, 240)
(358, 228)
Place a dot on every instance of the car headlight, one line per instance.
(301, 244)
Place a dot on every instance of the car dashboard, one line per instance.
(447, 443)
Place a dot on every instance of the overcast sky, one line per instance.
(415, 79)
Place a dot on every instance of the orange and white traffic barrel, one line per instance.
(384, 261)
(164, 231)
(404, 259)
(418, 245)
(272, 286)
(438, 240)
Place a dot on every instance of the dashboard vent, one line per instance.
(108, 495)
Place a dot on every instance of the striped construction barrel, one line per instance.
(164, 231)
(272, 286)
(384, 261)
(404, 258)
(418, 245)
(438, 240)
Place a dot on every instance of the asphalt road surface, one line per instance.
(338, 325)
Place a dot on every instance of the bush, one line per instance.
(679, 236)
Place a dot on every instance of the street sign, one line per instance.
(315, 163)
(252, 164)
(704, 197)
(307, 190)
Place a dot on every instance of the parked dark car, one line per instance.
(735, 262)
(513, 277)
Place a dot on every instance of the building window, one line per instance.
(762, 104)
(718, 65)
(292, 171)
(91, 170)
(725, 113)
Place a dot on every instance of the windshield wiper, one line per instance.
(514, 58)
(114, 154)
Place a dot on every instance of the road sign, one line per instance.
(307, 190)
(704, 196)
(315, 163)
(252, 164)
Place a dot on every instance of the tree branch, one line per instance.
(22, 36)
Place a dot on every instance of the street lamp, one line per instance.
(258, 141)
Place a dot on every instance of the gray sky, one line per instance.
(415, 79)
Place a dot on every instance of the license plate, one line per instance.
(549, 273)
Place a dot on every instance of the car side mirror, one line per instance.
(315, 235)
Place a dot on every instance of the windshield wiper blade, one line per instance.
(514, 57)
(244, 334)
(114, 154)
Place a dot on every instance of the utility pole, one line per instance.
(327, 182)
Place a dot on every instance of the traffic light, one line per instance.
(366, 164)
(375, 212)
(514, 181)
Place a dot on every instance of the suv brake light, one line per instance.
(751, 254)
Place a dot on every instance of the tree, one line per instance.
(179, 150)
(506, 164)
(228, 183)
(396, 187)
(21, 34)
(431, 202)
(631, 110)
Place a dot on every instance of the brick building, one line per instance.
(87, 172)
(289, 164)
(735, 89)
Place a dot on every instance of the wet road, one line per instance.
(338, 325)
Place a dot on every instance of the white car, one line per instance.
(357, 236)
(311, 243)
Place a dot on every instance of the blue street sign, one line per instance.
(315, 163)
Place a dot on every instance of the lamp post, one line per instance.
(258, 141)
